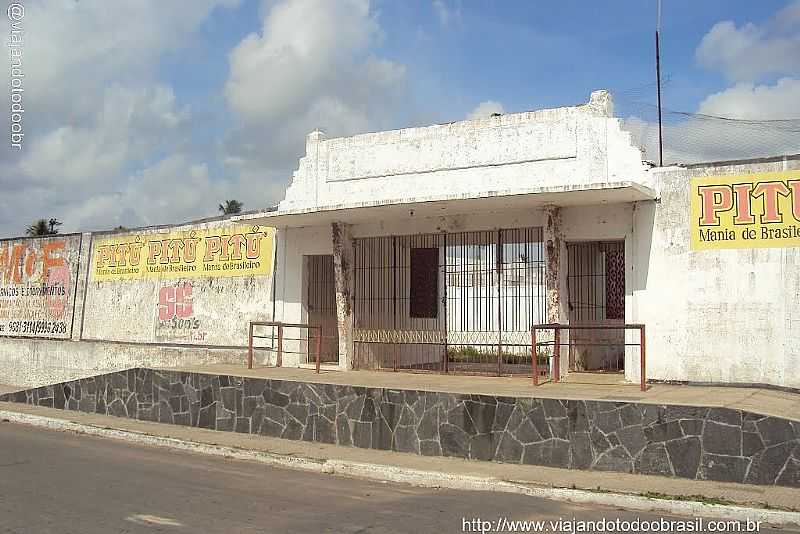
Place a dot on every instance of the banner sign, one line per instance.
(37, 286)
(193, 253)
(749, 211)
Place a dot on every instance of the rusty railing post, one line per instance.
(319, 346)
(446, 355)
(279, 361)
(642, 358)
(556, 355)
(499, 271)
(250, 347)
(534, 358)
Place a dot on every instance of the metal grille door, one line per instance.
(321, 304)
(596, 284)
(399, 302)
(462, 302)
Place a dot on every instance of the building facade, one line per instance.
(441, 247)
(438, 249)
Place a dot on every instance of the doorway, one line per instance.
(321, 307)
(596, 286)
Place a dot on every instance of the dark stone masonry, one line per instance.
(684, 441)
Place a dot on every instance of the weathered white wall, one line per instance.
(35, 362)
(554, 147)
(713, 315)
(292, 245)
(116, 323)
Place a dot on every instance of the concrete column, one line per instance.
(343, 260)
(556, 279)
(555, 270)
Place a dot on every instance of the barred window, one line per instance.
(424, 290)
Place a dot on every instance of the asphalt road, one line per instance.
(66, 483)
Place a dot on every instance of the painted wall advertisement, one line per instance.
(188, 272)
(195, 253)
(37, 286)
(175, 319)
(749, 211)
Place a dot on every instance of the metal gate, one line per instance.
(459, 302)
(596, 285)
(321, 305)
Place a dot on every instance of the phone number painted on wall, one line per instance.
(37, 286)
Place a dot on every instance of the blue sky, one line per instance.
(147, 112)
(528, 55)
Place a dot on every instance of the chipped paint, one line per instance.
(343, 259)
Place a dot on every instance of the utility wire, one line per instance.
(698, 137)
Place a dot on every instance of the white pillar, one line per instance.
(343, 260)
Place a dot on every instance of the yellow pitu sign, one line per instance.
(195, 253)
(749, 211)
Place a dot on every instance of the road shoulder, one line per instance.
(771, 504)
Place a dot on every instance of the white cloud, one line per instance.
(442, 12)
(760, 102)
(169, 191)
(448, 12)
(98, 120)
(310, 66)
(73, 50)
(486, 109)
(129, 124)
(308, 51)
(173, 189)
(748, 52)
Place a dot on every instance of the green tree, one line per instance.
(230, 207)
(43, 227)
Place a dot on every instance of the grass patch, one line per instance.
(664, 496)
(691, 498)
(473, 354)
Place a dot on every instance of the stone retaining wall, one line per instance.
(690, 442)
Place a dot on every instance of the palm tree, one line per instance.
(53, 223)
(39, 228)
(230, 207)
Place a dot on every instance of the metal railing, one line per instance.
(280, 337)
(557, 344)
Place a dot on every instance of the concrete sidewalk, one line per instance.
(371, 463)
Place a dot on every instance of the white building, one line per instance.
(438, 249)
(426, 248)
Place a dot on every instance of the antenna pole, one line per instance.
(658, 83)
